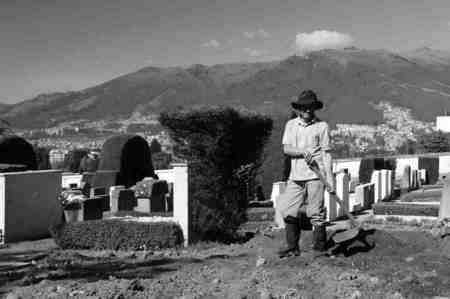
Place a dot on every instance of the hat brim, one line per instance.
(315, 105)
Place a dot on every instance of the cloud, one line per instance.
(322, 39)
(255, 52)
(260, 33)
(211, 44)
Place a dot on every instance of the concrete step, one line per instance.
(397, 208)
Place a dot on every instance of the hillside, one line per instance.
(347, 81)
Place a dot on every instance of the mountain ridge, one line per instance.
(349, 81)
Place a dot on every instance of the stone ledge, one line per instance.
(391, 208)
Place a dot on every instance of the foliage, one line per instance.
(129, 155)
(73, 159)
(16, 150)
(161, 160)
(433, 142)
(155, 146)
(224, 148)
(71, 199)
(117, 234)
(431, 165)
(42, 157)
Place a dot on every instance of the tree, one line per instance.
(434, 142)
(155, 146)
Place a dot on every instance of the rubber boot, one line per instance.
(292, 228)
(319, 238)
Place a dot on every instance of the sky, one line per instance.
(62, 45)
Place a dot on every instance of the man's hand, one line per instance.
(308, 157)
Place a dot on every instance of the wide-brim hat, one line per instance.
(307, 99)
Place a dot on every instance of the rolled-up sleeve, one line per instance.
(287, 135)
(325, 138)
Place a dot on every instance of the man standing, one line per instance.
(305, 139)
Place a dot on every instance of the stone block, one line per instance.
(277, 189)
(444, 207)
(405, 183)
(376, 180)
(93, 208)
(342, 188)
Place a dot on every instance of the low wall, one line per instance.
(352, 164)
(29, 204)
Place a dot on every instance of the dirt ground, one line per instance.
(390, 264)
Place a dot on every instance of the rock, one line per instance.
(374, 280)
(60, 289)
(347, 276)
(409, 259)
(435, 232)
(216, 281)
(355, 295)
(75, 293)
(260, 261)
(12, 296)
(397, 295)
(265, 294)
(135, 285)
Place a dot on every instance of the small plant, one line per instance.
(72, 199)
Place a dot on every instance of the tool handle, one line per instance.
(315, 168)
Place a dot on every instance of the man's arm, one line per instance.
(296, 152)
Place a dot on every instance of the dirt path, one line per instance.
(403, 264)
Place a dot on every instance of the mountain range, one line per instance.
(348, 81)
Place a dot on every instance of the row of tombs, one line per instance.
(32, 200)
(383, 188)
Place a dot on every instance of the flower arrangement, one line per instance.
(72, 199)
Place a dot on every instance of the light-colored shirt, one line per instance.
(313, 137)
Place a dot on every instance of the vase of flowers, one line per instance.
(72, 203)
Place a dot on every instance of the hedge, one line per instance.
(117, 234)
(16, 150)
(224, 148)
(431, 165)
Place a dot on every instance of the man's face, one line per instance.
(305, 113)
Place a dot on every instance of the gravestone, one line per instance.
(405, 183)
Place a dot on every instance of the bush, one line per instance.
(16, 150)
(224, 148)
(73, 159)
(130, 156)
(42, 158)
(434, 142)
(117, 234)
(161, 160)
(431, 165)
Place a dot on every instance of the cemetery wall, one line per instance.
(29, 203)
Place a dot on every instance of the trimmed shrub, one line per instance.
(42, 158)
(130, 156)
(366, 167)
(16, 150)
(89, 163)
(73, 159)
(224, 148)
(117, 234)
(431, 165)
(161, 160)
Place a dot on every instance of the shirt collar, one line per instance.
(302, 123)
